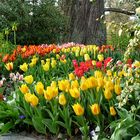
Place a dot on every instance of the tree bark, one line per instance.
(86, 26)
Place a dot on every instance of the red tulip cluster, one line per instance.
(79, 70)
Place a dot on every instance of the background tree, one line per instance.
(85, 25)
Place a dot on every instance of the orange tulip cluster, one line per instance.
(31, 50)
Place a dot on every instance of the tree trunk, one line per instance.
(86, 27)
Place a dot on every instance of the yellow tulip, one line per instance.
(48, 96)
(24, 67)
(100, 82)
(9, 66)
(24, 89)
(81, 53)
(98, 74)
(46, 67)
(63, 61)
(34, 100)
(95, 109)
(136, 64)
(39, 87)
(48, 60)
(86, 57)
(77, 53)
(51, 92)
(117, 89)
(84, 85)
(27, 97)
(53, 63)
(57, 56)
(78, 109)
(74, 84)
(33, 62)
(109, 73)
(100, 57)
(23, 49)
(75, 93)
(29, 79)
(91, 82)
(71, 76)
(93, 62)
(62, 99)
(54, 51)
(42, 62)
(109, 85)
(53, 84)
(107, 94)
(64, 85)
(112, 111)
(84, 50)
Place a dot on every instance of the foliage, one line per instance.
(71, 89)
(37, 22)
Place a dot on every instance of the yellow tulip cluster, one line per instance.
(50, 92)
(31, 98)
(33, 61)
(49, 63)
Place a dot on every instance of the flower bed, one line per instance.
(72, 89)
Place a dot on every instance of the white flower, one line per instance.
(138, 11)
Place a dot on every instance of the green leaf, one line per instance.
(52, 126)
(6, 127)
(28, 121)
(61, 123)
(39, 126)
(136, 137)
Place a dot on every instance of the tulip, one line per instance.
(117, 89)
(46, 67)
(109, 85)
(53, 84)
(107, 94)
(86, 57)
(93, 62)
(75, 93)
(47, 95)
(62, 99)
(64, 85)
(50, 92)
(71, 76)
(29, 79)
(91, 82)
(33, 100)
(27, 97)
(109, 73)
(24, 67)
(24, 88)
(42, 62)
(98, 74)
(39, 88)
(95, 109)
(57, 56)
(9, 66)
(23, 49)
(53, 63)
(100, 82)
(74, 84)
(84, 85)
(78, 109)
(112, 111)
(100, 57)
